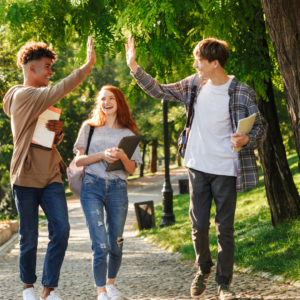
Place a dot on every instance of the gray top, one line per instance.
(105, 138)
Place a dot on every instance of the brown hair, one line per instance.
(212, 49)
(98, 117)
(34, 50)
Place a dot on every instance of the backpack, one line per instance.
(76, 174)
(183, 138)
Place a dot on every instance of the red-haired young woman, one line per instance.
(112, 120)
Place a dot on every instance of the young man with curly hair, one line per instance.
(35, 174)
(214, 170)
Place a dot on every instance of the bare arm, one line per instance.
(176, 91)
(83, 160)
(128, 164)
(36, 101)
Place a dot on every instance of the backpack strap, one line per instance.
(193, 96)
(89, 139)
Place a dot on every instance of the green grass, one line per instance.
(259, 246)
(42, 217)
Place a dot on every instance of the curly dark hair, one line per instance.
(34, 50)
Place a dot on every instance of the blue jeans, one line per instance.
(53, 201)
(97, 193)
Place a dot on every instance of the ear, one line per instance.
(32, 68)
(216, 64)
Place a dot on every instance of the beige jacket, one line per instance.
(24, 104)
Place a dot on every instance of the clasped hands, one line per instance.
(113, 154)
(239, 140)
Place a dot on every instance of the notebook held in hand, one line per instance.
(128, 144)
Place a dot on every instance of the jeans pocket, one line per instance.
(88, 179)
(122, 185)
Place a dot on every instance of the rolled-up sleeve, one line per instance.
(260, 126)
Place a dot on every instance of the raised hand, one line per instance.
(91, 55)
(130, 55)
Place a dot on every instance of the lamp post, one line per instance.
(167, 217)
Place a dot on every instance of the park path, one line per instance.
(147, 272)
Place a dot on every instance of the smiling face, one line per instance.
(205, 68)
(108, 102)
(39, 71)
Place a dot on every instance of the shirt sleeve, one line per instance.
(136, 156)
(37, 100)
(58, 138)
(175, 91)
(260, 126)
(82, 138)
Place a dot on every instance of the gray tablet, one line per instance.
(128, 144)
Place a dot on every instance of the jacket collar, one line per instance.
(232, 86)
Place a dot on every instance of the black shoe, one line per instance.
(198, 286)
(224, 292)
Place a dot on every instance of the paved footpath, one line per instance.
(147, 272)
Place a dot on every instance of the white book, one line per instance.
(245, 126)
(42, 136)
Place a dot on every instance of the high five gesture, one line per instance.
(130, 55)
(91, 55)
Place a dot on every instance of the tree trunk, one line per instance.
(143, 159)
(153, 160)
(282, 194)
(284, 29)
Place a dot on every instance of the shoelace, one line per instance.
(114, 292)
(196, 279)
(29, 292)
(104, 296)
(52, 296)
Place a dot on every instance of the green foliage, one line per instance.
(8, 208)
(284, 122)
(241, 24)
(165, 33)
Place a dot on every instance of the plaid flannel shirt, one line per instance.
(242, 104)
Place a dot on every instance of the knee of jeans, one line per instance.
(63, 231)
(29, 240)
(100, 249)
(199, 229)
(223, 230)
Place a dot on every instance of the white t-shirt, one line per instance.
(209, 148)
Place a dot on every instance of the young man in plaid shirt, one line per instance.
(214, 170)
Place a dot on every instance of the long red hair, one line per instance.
(97, 117)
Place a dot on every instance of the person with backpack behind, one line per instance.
(109, 122)
(215, 102)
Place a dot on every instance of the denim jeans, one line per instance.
(53, 201)
(203, 188)
(97, 194)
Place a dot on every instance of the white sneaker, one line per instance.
(29, 294)
(103, 296)
(52, 296)
(113, 293)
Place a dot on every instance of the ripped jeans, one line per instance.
(97, 193)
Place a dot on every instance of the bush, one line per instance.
(8, 209)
